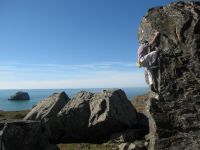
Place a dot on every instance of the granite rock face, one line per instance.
(94, 117)
(174, 118)
(24, 135)
(48, 108)
(20, 96)
(46, 111)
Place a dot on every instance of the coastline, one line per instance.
(37, 95)
(19, 115)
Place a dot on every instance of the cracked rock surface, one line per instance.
(175, 118)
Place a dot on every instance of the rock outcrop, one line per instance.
(48, 108)
(89, 117)
(24, 135)
(95, 117)
(174, 118)
(137, 145)
(20, 96)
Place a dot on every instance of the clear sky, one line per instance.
(71, 43)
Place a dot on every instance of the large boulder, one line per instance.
(24, 135)
(174, 118)
(20, 96)
(46, 111)
(94, 117)
(48, 108)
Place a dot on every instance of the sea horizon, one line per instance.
(37, 95)
(72, 88)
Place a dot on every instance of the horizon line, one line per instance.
(72, 88)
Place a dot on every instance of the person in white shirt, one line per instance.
(148, 60)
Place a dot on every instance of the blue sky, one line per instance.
(71, 43)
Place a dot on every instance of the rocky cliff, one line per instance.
(171, 122)
(175, 117)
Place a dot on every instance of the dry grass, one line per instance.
(13, 114)
(84, 146)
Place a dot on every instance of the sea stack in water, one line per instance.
(20, 96)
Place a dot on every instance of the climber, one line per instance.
(148, 60)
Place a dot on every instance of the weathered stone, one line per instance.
(174, 118)
(129, 135)
(46, 111)
(20, 96)
(24, 135)
(137, 145)
(123, 146)
(94, 117)
(112, 108)
(48, 108)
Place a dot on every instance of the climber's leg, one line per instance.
(152, 83)
(150, 77)
(149, 61)
(146, 76)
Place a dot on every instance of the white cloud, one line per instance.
(97, 75)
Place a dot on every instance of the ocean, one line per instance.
(38, 94)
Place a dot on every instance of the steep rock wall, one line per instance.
(175, 117)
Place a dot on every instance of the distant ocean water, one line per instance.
(38, 94)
